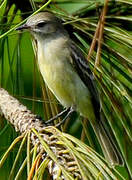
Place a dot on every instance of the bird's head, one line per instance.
(42, 24)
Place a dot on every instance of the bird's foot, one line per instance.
(48, 122)
(70, 111)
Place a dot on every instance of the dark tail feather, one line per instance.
(109, 148)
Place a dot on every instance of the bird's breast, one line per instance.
(63, 80)
(56, 73)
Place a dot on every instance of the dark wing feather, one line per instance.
(82, 68)
(104, 136)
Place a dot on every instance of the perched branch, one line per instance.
(17, 114)
(23, 120)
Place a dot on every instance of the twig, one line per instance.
(101, 31)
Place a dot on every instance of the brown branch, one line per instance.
(23, 120)
(101, 31)
(93, 42)
(98, 36)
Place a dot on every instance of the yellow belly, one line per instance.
(63, 80)
(69, 89)
(60, 83)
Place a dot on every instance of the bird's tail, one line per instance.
(109, 148)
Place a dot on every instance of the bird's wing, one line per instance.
(81, 66)
(104, 136)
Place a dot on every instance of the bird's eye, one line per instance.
(41, 24)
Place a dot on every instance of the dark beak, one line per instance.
(22, 27)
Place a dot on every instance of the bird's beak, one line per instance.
(22, 27)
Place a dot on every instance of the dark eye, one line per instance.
(41, 24)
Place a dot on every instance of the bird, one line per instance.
(67, 74)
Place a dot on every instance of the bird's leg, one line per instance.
(65, 118)
(57, 116)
